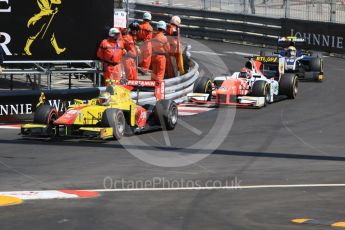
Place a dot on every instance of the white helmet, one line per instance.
(176, 20)
(113, 32)
(161, 25)
(147, 16)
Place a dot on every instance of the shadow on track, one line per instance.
(113, 144)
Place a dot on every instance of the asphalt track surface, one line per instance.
(293, 142)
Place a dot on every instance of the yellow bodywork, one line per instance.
(91, 113)
(34, 126)
(104, 133)
(87, 116)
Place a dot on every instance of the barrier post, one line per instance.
(204, 5)
(287, 8)
(333, 10)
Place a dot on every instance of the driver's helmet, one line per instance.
(291, 51)
(245, 73)
(104, 98)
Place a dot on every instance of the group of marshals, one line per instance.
(139, 45)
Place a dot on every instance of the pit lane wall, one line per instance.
(248, 29)
(19, 106)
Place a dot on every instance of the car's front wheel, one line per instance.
(262, 89)
(115, 119)
(45, 114)
(288, 86)
(166, 114)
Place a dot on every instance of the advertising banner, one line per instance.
(19, 106)
(320, 36)
(53, 29)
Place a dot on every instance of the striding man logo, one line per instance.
(41, 100)
(40, 23)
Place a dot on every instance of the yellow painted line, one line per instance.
(299, 221)
(9, 200)
(339, 224)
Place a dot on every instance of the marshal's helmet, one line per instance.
(162, 25)
(134, 26)
(114, 32)
(147, 16)
(175, 20)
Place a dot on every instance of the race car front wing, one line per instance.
(250, 101)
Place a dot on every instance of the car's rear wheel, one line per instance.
(166, 114)
(261, 89)
(203, 85)
(315, 64)
(115, 119)
(288, 86)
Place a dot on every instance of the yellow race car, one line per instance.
(111, 115)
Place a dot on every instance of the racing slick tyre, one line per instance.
(288, 86)
(261, 89)
(315, 64)
(115, 119)
(166, 112)
(45, 114)
(203, 85)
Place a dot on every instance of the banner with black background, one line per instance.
(53, 29)
(320, 36)
(19, 106)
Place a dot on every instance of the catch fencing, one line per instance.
(311, 10)
(216, 25)
(248, 28)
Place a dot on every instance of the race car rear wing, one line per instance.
(157, 86)
(273, 61)
(266, 59)
(290, 40)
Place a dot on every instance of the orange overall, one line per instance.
(174, 53)
(145, 34)
(160, 49)
(130, 57)
(111, 52)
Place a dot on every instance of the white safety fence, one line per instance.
(312, 10)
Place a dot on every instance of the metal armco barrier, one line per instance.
(217, 25)
(175, 88)
(319, 36)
